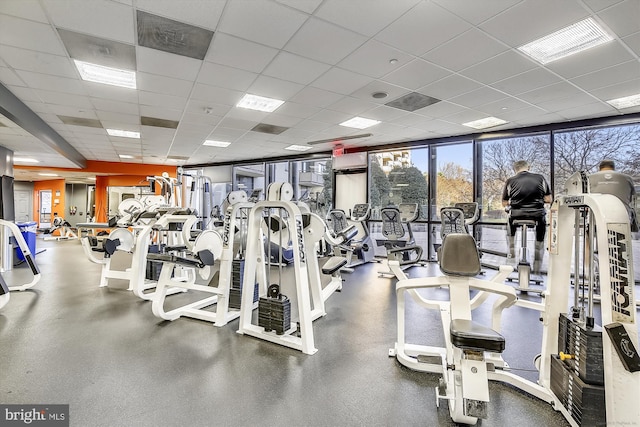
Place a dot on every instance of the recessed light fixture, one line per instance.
(567, 41)
(487, 122)
(359, 123)
(106, 75)
(260, 103)
(624, 102)
(126, 156)
(48, 174)
(212, 143)
(297, 148)
(123, 133)
(25, 160)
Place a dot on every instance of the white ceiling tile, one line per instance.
(630, 87)
(295, 68)
(61, 98)
(464, 115)
(499, 67)
(167, 64)
(591, 60)
(299, 135)
(416, 74)
(162, 84)
(425, 27)
(24, 9)
(412, 120)
(519, 114)
(39, 107)
(38, 62)
(204, 14)
(30, 35)
(478, 97)
(223, 76)
(246, 115)
(341, 81)
(532, 19)
(100, 18)
(226, 134)
(98, 90)
(633, 42)
(282, 120)
(364, 16)
(588, 110)
(116, 106)
(216, 95)
(560, 104)
(385, 113)
(9, 77)
(200, 107)
(274, 88)
(232, 123)
(623, 18)
(47, 81)
(307, 6)
(503, 105)
(312, 125)
(302, 111)
(541, 119)
(374, 59)
(324, 42)
(476, 12)
(449, 87)
(238, 53)
(608, 76)
(160, 113)
(597, 5)
(550, 93)
(353, 106)
(439, 110)
(331, 117)
(255, 21)
(527, 81)
(160, 100)
(476, 45)
(24, 93)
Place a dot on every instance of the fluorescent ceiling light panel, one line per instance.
(359, 123)
(48, 174)
(624, 102)
(260, 103)
(106, 75)
(487, 122)
(212, 143)
(126, 156)
(297, 148)
(25, 160)
(123, 133)
(575, 38)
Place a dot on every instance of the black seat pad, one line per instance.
(524, 222)
(468, 335)
(334, 264)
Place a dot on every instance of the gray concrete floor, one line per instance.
(102, 351)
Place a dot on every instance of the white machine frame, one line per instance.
(26, 254)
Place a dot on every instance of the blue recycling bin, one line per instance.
(28, 231)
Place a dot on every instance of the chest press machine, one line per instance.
(471, 355)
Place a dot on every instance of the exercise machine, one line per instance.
(524, 277)
(277, 321)
(23, 247)
(402, 250)
(4, 292)
(64, 229)
(356, 250)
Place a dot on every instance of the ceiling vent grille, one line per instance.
(159, 123)
(80, 121)
(267, 128)
(172, 36)
(412, 101)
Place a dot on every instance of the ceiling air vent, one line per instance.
(98, 51)
(267, 128)
(412, 101)
(178, 158)
(172, 36)
(159, 123)
(80, 121)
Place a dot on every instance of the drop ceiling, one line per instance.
(325, 58)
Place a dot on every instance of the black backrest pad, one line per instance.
(459, 255)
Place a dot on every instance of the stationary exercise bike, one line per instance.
(524, 266)
(399, 241)
(356, 250)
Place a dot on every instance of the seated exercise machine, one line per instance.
(524, 266)
(591, 376)
(5, 289)
(224, 246)
(402, 250)
(343, 234)
(63, 227)
(281, 320)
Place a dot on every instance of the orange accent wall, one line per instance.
(56, 208)
(118, 174)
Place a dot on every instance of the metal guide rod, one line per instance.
(576, 265)
(591, 252)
